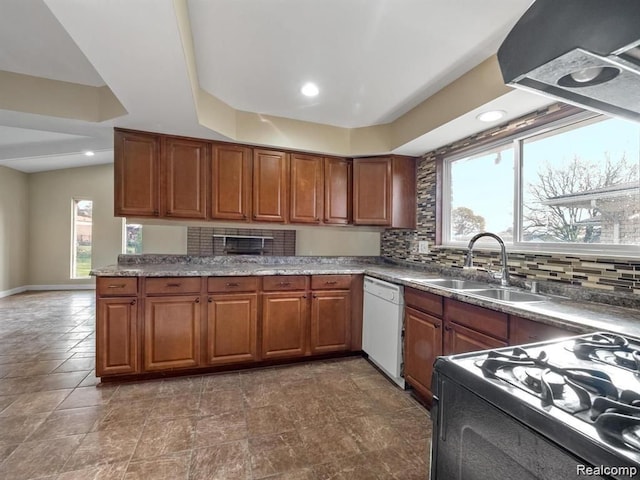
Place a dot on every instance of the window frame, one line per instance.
(517, 141)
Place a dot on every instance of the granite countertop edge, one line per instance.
(574, 315)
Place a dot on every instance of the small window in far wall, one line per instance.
(81, 238)
(133, 238)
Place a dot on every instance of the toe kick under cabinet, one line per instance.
(151, 326)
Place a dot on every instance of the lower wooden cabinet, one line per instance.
(459, 339)
(117, 336)
(330, 321)
(232, 328)
(159, 324)
(522, 331)
(423, 343)
(171, 332)
(284, 324)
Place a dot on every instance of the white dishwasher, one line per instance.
(382, 326)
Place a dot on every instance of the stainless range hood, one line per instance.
(583, 52)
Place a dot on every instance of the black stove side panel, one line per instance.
(473, 440)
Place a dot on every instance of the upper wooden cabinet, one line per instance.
(337, 191)
(270, 172)
(184, 178)
(230, 182)
(306, 187)
(137, 176)
(384, 191)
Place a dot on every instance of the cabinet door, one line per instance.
(337, 191)
(306, 189)
(522, 331)
(459, 339)
(270, 172)
(423, 343)
(136, 171)
(284, 324)
(232, 328)
(230, 182)
(372, 191)
(172, 332)
(184, 182)
(330, 321)
(117, 336)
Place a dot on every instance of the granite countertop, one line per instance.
(572, 314)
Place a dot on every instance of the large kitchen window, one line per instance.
(82, 214)
(572, 186)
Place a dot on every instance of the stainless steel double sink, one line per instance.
(479, 289)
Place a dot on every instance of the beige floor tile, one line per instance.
(104, 447)
(37, 402)
(222, 428)
(266, 420)
(162, 437)
(68, 422)
(229, 461)
(112, 471)
(88, 396)
(168, 467)
(35, 459)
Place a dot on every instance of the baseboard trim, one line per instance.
(61, 287)
(24, 288)
(13, 291)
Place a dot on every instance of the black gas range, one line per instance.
(562, 409)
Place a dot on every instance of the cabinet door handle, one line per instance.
(197, 300)
(173, 284)
(133, 302)
(332, 282)
(117, 285)
(233, 284)
(284, 284)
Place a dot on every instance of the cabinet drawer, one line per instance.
(117, 286)
(478, 318)
(424, 301)
(330, 282)
(284, 282)
(527, 331)
(169, 285)
(232, 284)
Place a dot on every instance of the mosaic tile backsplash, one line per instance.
(616, 275)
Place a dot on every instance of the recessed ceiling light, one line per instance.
(491, 115)
(89, 153)
(310, 89)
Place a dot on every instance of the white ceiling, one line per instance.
(373, 59)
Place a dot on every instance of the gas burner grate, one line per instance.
(548, 381)
(608, 348)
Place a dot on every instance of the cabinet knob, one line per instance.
(156, 213)
(304, 296)
(209, 299)
(197, 300)
(133, 302)
(447, 328)
(436, 325)
(244, 217)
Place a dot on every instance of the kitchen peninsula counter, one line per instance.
(574, 314)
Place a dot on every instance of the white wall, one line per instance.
(14, 229)
(50, 218)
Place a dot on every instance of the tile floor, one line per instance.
(325, 420)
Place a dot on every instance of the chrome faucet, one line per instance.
(504, 280)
